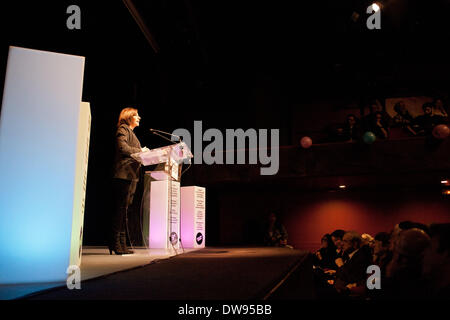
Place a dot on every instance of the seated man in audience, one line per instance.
(436, 262)
(353, 273)
(403, 118)
(428, 120)
(341, 256)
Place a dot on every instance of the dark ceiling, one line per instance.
(210, 49)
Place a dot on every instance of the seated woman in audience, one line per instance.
(352, 129)
(326, 255)
(381, 253)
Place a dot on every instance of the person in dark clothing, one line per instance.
(378, 126)
(381, 253)
(436, 262)
(353, 273)
(428, 120)
(377, 121)
(275, 233)
(441, 107)
(404, 272)
(325, 257)
(403, 119)
(352, 129)
(336, 237)
(126, 176)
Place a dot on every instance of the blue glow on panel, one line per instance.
(38, 139)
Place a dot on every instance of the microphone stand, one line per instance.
(154, 131)
(165, 138)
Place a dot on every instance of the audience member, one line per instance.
(378, 126)
(341, 256)
(414, 260)
(275, 232)
(381, 253)
(440, 108)
(352, 129)
(325, 257)
(428, 120)
(370, 120)
(368, 240)
(403, 119)
(353, 273)
(436, 263)
(403, 274)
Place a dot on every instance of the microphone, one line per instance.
(155, 131)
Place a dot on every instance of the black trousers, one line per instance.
(123, 194)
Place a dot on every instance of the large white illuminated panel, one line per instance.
(164, 221)
(193, 217)
(40, 166)
(79, 197)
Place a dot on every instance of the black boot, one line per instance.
(123, 243)
(115, 245)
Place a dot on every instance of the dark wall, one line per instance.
(307, 216)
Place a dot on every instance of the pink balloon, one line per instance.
(441, 131)
(306, 142)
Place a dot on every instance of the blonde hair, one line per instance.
(126, 115)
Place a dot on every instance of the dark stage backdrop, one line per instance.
(234, 64)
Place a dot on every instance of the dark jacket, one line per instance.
(125, 167)
(354, 270)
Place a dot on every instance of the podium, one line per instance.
(161, 222)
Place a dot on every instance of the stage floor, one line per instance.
(212, 273)
(96, 262)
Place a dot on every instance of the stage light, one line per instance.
(375, 7)
(444, 181)
(342, 186)
(446, 192)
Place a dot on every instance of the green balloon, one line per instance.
(369, 137)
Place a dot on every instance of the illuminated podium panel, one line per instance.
(164, 219)
(193, 217)
(44, 144)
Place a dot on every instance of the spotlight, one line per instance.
(342, 186)
(444, 181)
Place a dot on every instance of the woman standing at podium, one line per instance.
(126, 176)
